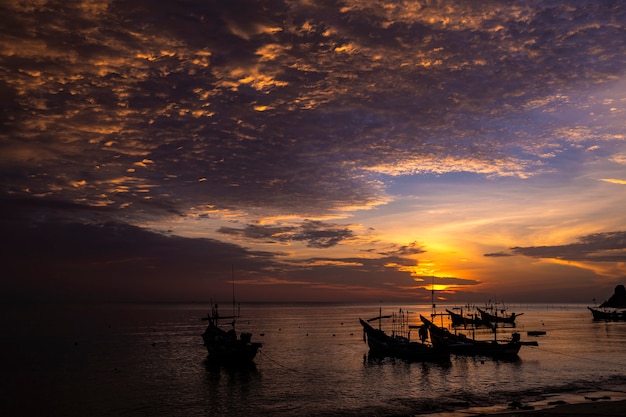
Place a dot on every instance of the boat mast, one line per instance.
(233, 275)
(432, 296)
(233, 279)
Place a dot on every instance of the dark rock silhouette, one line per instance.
(618, 299)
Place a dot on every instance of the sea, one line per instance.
(149, 360)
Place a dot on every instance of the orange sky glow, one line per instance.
(358, 151)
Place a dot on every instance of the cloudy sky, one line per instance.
(328, 150)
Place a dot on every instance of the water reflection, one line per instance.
(373, 359)
(213, 366)
(230, 389)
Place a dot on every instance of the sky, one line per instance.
(358, 150)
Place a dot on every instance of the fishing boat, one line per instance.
(225, 346)
(460, 319)
(461, 344)
(608, 314)
(494, 317)
(399, 344)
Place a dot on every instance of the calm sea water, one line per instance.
(148, 360)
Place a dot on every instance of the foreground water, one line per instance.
(136, 360)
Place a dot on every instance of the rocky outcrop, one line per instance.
(618, 299)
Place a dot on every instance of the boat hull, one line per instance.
(492, 318)
(608, 315)
(226, 347)
(381, 344)
(460, 320)
(491, 349)
(459, 344)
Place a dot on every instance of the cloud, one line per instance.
(62, 257)
(498, 254)
(614, 181)
(445, 281)
(413, 248)
(115, 262)
(349, 92)
(316, 234)
(597, 247)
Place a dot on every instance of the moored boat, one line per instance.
(494, 317)
(461, 344)
(613, 309)
(608, 314)
(225, 346)
(460, 319)
(399, 344)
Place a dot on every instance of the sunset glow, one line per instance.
(363, 150)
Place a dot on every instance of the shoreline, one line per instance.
(581, 404)
(608, 408)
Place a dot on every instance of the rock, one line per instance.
(618, 299)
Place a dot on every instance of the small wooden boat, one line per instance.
(608, 314)
(495, 318)
(459, 319)
(399, 344)
(460, 344)
(225, 346)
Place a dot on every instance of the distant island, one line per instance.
(618, 299)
